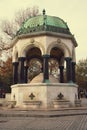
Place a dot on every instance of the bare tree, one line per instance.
(9, 29)
(1, 47)
(22, 15)
(1, 44)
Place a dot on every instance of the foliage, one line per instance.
(81, 73)
(22, 15)
(8, 32)
(6, 75)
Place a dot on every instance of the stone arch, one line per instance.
(61, 46)
(28, 46)
(15, 55)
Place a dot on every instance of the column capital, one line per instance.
(15, 63)
(74, 63)
(21, 58)
(26, 66)
(68, 58)
(61, 67)
(46, 56)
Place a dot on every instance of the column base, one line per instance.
(46, 81)
(70, 81)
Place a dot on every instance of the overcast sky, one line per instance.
(74, 12)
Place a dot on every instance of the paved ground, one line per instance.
(62, 119)
(67, 119)
(77, 122)
(58, 123)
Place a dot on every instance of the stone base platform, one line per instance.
(44, 92)
(18, 112)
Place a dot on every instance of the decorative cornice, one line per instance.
(42, 33)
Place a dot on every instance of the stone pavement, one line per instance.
(57, 123)
(62, 119)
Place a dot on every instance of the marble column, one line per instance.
(61, 68)
(21, 69)
(73, 72)
(45, 68)
(15, 72)
(68, 69)
(26, 74)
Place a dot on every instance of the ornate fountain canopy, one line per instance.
(44, 23)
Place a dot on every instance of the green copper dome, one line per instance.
(43, 23)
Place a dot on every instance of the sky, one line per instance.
(74, 12)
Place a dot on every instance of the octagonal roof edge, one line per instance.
(47, 33)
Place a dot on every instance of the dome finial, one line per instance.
(44, 11)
